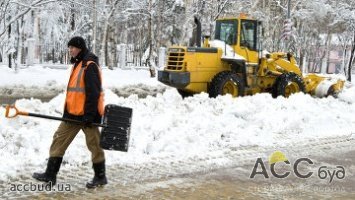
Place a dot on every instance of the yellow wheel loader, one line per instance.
(234, 63)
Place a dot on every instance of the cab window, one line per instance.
(226, 31)
(248, 34)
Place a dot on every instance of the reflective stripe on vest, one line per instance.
(75, 98)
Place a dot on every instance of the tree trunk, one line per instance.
(103, 43)
(72, 18)
(10, 60)
(103, 50)
(159, 24)
(94, 29)
(301, 61)
(351, 58)
(106, 50)
(20, 43)
(10, 54)
(1, 54)
(150, 41)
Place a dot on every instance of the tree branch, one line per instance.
(22, 13)
(222, 9)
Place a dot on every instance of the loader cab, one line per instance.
(242, 35)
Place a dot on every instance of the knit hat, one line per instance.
(78, 42)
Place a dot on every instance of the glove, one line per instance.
(87, 122)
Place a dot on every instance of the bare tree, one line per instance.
(23, 9)
(107, 18)
(150, 40)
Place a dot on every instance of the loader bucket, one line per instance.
(323, 86)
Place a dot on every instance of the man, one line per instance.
(84, 102)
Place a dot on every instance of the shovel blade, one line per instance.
(115, 135)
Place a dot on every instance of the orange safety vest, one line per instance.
(75, 98)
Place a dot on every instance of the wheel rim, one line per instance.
(291, 88)
(230, 88)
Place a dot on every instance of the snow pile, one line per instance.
(348, 94)
(34, 76)
(37, 81)
(167, 127)
(42, 76)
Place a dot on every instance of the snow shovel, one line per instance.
(116, 125)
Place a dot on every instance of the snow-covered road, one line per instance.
(199, 178)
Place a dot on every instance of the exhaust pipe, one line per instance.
(198, 32)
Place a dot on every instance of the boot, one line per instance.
(50, 175)
(100, 177)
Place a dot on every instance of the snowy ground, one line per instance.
(168, 131)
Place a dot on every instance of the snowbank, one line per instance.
(40, 76)
(167, 127)
(39, 81)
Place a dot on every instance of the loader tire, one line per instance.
(184, 93)
(287, 84)
(226, 82)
